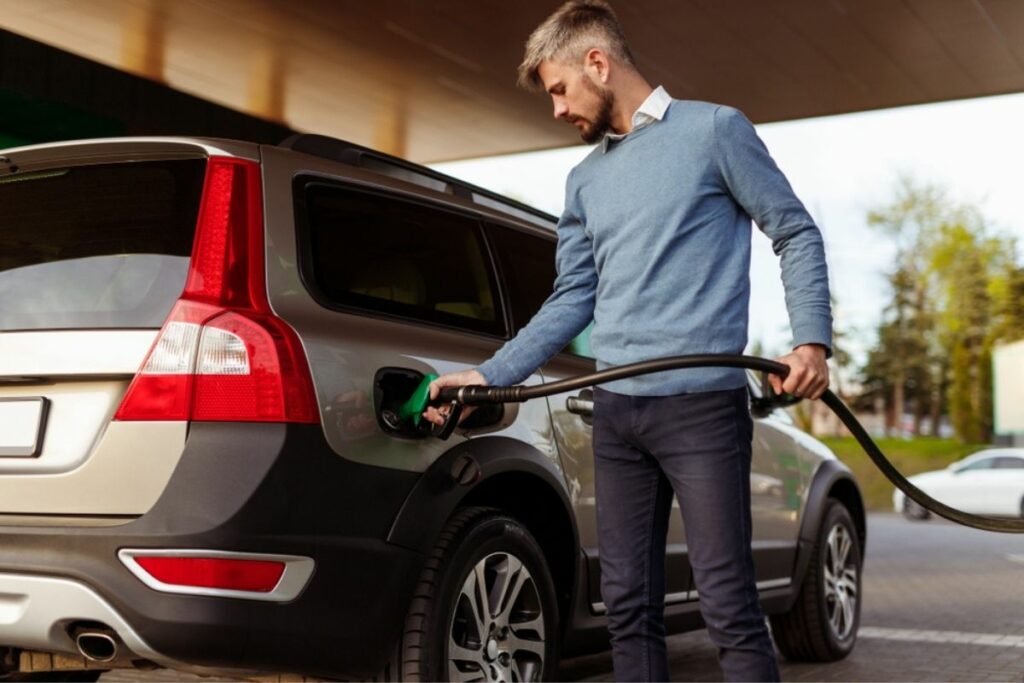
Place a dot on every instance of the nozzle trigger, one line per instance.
(445, 430)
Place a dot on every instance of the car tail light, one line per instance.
(222, 354)
(220, 573)
(258, 576)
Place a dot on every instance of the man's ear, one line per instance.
(597, 63)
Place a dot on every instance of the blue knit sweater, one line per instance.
(654, 247)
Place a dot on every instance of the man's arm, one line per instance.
(757, 184)
(562, 316)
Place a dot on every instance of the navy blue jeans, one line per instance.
(697, 447)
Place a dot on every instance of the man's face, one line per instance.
(578, 99)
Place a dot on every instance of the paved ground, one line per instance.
(941, 603)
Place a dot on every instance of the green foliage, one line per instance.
(910, 456)
(967, 264)
(1008, 301)
(907, 366)
(956, 291)
(802, 415)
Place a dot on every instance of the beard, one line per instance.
(602, 120)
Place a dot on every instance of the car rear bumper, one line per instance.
(34, 615)
(253, 488)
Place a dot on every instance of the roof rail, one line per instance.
(351, 154)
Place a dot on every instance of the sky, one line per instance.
(841, 167)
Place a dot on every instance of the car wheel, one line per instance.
(822, 624)
(484, 608)
(913, 511)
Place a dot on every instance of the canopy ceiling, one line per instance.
(434, 80)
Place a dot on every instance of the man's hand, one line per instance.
(452, 379)
(808, 372)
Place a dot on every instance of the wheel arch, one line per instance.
(511, 476)
(831, 479)
(845, 490)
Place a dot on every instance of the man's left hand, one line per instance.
(808, 372)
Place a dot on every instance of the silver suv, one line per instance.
(199, 341)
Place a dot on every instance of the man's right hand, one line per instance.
(452, 379)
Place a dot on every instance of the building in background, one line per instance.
(1008, 390)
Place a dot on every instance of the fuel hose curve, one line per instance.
(477, 395)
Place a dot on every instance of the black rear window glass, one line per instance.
(385, 255)
(96, 246)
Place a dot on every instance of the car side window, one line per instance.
(382, 254)
(528, 268)
(983, 464)
(1008, 463)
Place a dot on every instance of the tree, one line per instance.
(956, 291)
(1008, 299)
(970, 267)
(905, 367)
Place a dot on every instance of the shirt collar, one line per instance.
(653, 109)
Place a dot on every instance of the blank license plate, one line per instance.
(21, 426)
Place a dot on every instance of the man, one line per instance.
(654, 246)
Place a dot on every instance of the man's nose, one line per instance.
(560, 110)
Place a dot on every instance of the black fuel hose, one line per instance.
(477, 395)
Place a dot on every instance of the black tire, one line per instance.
(440, 614)
(808, 632)
(914, 512)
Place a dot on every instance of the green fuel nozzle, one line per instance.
(414, 406)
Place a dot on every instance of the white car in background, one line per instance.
(989, 482)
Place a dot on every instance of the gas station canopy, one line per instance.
(434, 80)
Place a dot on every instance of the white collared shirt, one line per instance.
(652, 109)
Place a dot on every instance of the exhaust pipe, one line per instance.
(97, 646)
(97, 642)
(100, 645)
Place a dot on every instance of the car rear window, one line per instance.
(100, 246)
(381, 254)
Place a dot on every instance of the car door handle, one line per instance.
(582, 404)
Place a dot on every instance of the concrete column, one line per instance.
(390, 127)
(266, 84)
(142, 39)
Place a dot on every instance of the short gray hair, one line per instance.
(572, 30)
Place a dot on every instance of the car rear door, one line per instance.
(375, 273)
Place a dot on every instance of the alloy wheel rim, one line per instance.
(840, 571)
(496, 631)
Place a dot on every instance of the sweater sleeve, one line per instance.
(563, 315)
(760, 188)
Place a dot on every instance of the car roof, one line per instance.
(30, 157)
(993, 453)
(127, 144)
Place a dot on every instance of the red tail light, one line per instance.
(220, 573)
(222, 354)
(257, 576)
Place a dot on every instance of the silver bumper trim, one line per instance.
(35, 612)
(297, 570)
